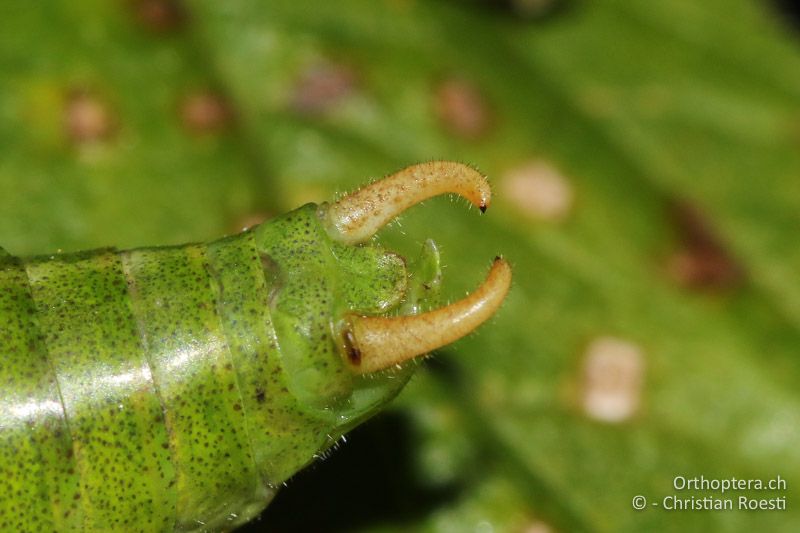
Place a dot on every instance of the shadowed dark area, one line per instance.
(369, 480)
(791, 11)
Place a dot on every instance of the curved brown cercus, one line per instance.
(174, 388)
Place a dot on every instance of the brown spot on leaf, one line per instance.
(206, 112)
(462, 109)
(702, 261)
(87, 118)
(530, 9)
(322, 86)
(160, 16)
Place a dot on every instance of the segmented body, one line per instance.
(173, 388)
(143, 390)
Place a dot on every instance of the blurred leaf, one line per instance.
(99, 141)
(593, 123)
(635, 108)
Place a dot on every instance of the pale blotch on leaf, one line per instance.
(87, 118)
(538, 190)
(613, 376)
(537, 527)
(462, 109)
(321, 86)
(484, 526)
(205, 112)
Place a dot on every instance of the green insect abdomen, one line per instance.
(166, 403)
(165, 382)
(38, 481)
(174, 388)
(114, 459)
(174, 299)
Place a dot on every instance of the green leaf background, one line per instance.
(204, 116)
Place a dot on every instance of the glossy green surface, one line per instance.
(175, 306)
(175, 388)
(109, 400)
(38, 480)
